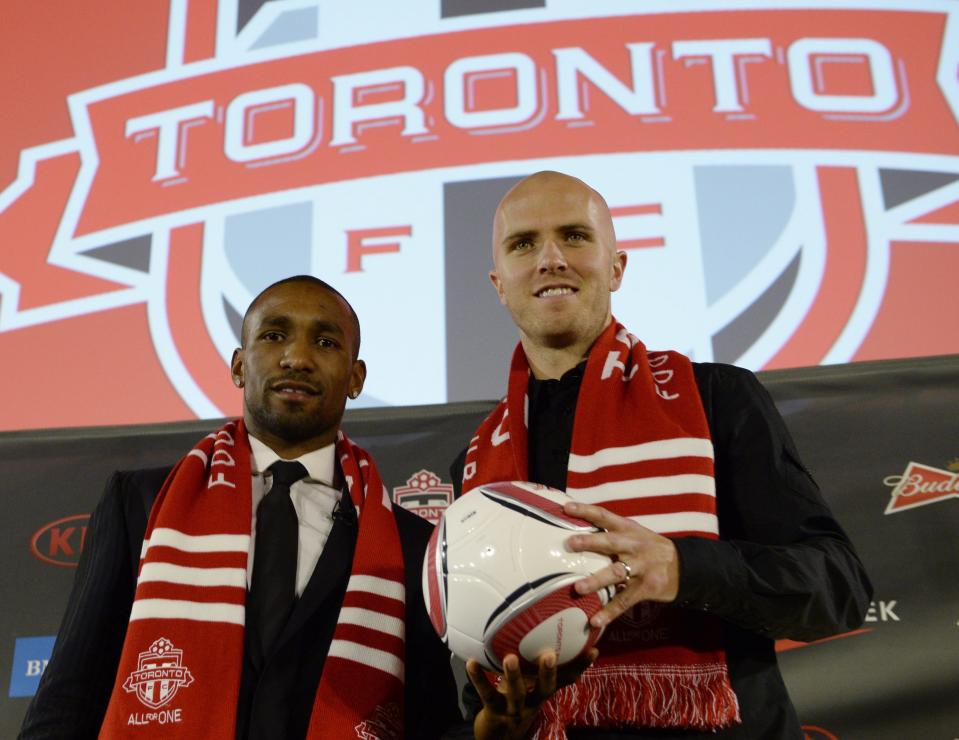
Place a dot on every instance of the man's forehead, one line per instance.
(300, 300)
(549, 205)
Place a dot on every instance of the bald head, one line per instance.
(553, 190)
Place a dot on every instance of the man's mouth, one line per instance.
(555, 290)
(294, 389)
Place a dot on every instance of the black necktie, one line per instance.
(273, 584)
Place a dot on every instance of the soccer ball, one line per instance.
(497, 578)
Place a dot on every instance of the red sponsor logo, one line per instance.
(920, 485)
(61, 542)
(425, 494)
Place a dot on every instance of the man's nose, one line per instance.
(297, 355)
(551, 257)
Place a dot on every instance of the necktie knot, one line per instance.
(286, 473)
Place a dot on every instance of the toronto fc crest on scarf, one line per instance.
(160, 674)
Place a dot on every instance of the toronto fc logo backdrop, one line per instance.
(784, 177)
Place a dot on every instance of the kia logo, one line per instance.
(61, 542)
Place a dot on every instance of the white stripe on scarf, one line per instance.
(372, 620)
(169, 573)
(379, 586)
(369, 656)
(659, 450)
(662, 485)
(198, 611)
(684, 521)
(165, 537)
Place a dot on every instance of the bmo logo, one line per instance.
(60, 542)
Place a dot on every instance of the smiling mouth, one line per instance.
(554, 291)
(291, 389)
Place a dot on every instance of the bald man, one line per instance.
(719, 538)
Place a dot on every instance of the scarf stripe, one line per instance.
(372, 620)
(198, 611)
(658, 450)
(169, 573)
(380, 586)
(381, 660)
(665, 485)
(166, 537)
(640, 447)
(669, 524)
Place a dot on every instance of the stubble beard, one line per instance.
(289, 425)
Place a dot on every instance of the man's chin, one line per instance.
(291, 425)
(555, 334)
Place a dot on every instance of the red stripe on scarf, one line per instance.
(658, 667)
(664, 505)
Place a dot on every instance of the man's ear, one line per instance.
(357, 378)
(619, 267)
(236, 367)
(494, 279)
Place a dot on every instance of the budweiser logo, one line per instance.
(920, 485)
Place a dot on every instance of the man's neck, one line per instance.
(286, 449)
(551, 363)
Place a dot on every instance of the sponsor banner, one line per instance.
(767, 162)
(30, 657)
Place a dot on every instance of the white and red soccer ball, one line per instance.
(498, 579)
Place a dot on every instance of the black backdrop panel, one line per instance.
(859, 428)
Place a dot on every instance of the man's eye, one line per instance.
(325, 342)
(272, 336)
(575, 236)
(522, 245)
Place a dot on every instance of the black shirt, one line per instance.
(782, 568)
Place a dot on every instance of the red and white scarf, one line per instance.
(641, 448)
(179, 672)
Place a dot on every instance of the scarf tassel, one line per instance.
(701, 700)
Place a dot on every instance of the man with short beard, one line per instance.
(161, 635)
(719, 538)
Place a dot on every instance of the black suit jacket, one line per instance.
(276, 697)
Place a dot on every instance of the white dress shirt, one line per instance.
(314, 499)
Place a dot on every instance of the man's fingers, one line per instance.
(487, 692)
(617, 605)
(595, 515)
(613, 575)
(515, 686)
(545, 677)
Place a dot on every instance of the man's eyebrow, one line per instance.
(576, 227)
(328, 327)
(278, 321)
(530, 233)
(517, 235)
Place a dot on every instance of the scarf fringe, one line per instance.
(669, 696)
